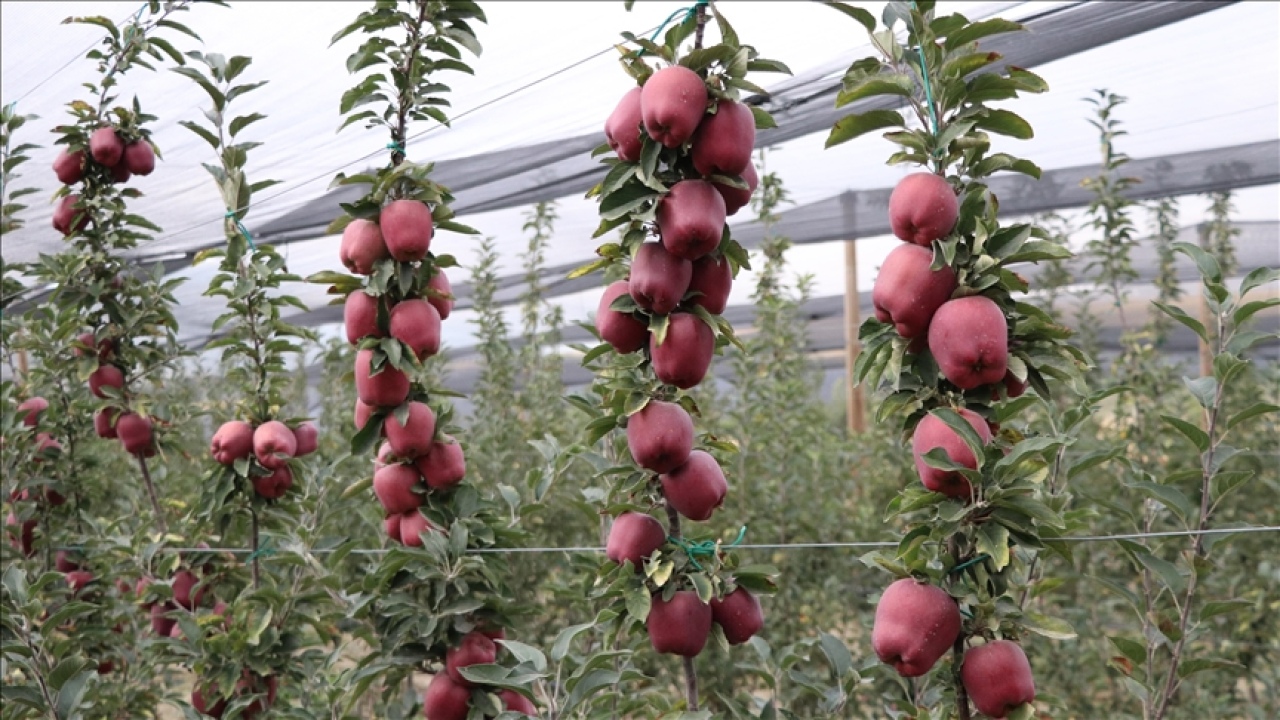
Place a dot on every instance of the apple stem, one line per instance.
(151, 493)
(962, 696)
(253, 526)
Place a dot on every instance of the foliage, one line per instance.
(11, 158)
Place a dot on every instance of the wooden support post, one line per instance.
(1206, 355)
(852, 319)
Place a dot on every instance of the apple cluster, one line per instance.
(271, 444)
(448, 696)
(120, 159)
(22, 532)
(415, 458)
(917, 623)
(669, 279)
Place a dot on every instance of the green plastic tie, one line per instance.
(397, 147)
(928, 91)
(231, 215)
(688, 13)
(264, 550)
(971, 561)
(705, 548)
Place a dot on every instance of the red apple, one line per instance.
(446, 699)
(391, 524)
(63, 562)
(104, 423)
(634, 536)
(622, 129)
(659, 279)
(200, 700)
(679, 626)
(474, 649)
(416, 437)
(621, 330)
(69, 167)
(444, 466)
(660, 436)
(739, 615)
(672, 103)
(513, 701)
(724, 141)
(737, 198)
(32, 406)
(68, 217)
(394, 485)
(915, 624)
(970, 340)
(696, 488)
(45, 444)
(362, 414)
(184, 583)
(998, 678)
(440, 293)
(1013, 387)
(105, 376)
(140, 157)
(412, 525)
(907, 293)
(275, 485)
(691, 219)
(923, 208)
(273, 444)
(684, 356)
(105, 667)
(933, 433)
(77, 579)
(713, 279)
(360, 316)
(160, 624)
(407, 229)
(362, 246)
(135, 433)
(307, 437)
(232, 441)
(21, 534)
(388, 388)
(106, 147)
(385, 456)
(120, 173)
(416, 323)
(53, 497)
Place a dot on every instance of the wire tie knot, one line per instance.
(397, 147)
(231, 215)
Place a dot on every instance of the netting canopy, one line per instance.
(1202, 81)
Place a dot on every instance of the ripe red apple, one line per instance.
(416, 323)
(1013, 387)
(659, 279)
(106, 666)
(77, 579)
(69, 167)
(660, 436)
(63, 562)
(275, 485)
(21, 534)
(440, 293)
(106, 147)
(232, 441)
(907, 293)
(446, 699)
(104, 423)
(691, 219)
(970, 340)
(634, 536)
(684, 356)
(68, 217)
(621, 330)
(273, 444)
(53, 497)
(407, 228)
(696, 488)
(362, 414)
(161, 625)
(672, 103)
(416, 436)
(736, 198)
(915, 624)
(360, 316)
(120, 173)
(307, 437)
(444, 466)
(515, 702)
(474, 649)
(679, 626)
(32, 406)
(713, 278)
(200, 700)
(44, 444)
(998, 678)
(739, 615)
(724, 141)
(362, 246)
(139, 157)
(923, 208)
(933, 433)
(394, 485)
(105, 376)
(252, 683)
(134, 432)
(391, 524)
(622, 129)
(184, 583)
(385, 456)
(412, 525)
(388, 388)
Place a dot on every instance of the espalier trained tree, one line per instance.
(951, 351)
(683, 143)
(436, 605)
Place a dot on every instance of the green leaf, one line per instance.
(864, 18)
(1197, 436)
(1132, 649)
(1251, 412)
(1050, 627)
(993, 540)
(72, 693)
(1195, 665)
(961, 427)
(1222, 607)
(1249, 309)
(1208, 264)
(1168, 573)
(208, 136)
(1204, 390)
(764, 121)
(837, 654)
(1181, 316)
(1168, 496)
(560, 648)
(1005, 123)
(1257, 278)
(588, 685)
(979, 30)
(852, 126)
(890, 84)
(626, 200)
(243, 121)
